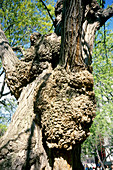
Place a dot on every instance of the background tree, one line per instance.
(21, 18)
(56, 105)
(103, 72)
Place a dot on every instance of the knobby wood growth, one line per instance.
(54, 88)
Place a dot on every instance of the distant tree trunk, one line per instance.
(56, 102)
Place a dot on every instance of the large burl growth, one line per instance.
(53, 83)
(66, 103)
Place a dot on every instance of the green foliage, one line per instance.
(3, 128)
(20, 18)
(8, 106)
(103, 80)
(101, 3)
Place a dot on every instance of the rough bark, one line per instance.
(71, 34)
(55, 111)
(81, 20)
(56, 102)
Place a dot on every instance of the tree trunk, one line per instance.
(71, 34)
(99, 157)
(56, 102)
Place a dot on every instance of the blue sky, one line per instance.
(109, 2)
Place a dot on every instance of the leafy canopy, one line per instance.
(20, 18)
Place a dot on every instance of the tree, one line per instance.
(56, 102)
(103, 71)
(17, 26)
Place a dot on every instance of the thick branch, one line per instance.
(19, 73)
(98, 14)
(106, 14)
(16, 71)
(6, 53)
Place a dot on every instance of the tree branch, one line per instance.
(11, 63)
(48, 12)
(18, 48)
(2, 72)
(99, 157)
(2, 88)
(9, 27)
(106, 14)
(3, 103)
(5, 94)
(109, 154)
